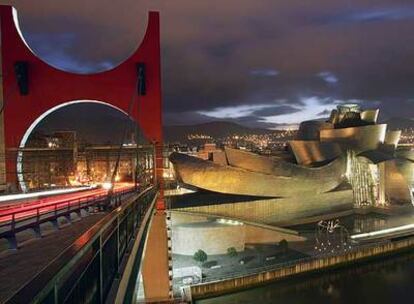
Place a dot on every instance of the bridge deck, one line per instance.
(18, 267)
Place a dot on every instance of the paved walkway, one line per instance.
(18, 267)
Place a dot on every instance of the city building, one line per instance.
(59, 160)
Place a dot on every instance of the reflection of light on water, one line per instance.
(362, 224)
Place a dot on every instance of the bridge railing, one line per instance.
(85, 271)
(15, 221)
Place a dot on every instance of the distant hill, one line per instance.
(399, 123)
(216, 129)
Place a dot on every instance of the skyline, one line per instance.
(284, 62)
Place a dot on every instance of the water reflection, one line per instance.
(387, 281)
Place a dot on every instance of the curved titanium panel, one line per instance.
(397, 177)
(392, 137)
(406, 168)
(406, 154)
(309, 130)
(231, 180)
(309, 152)
(276, 166)
(357, 138)
(370, 116)
(397, 187)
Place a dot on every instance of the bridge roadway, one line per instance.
(84, 261)
(31, 215)
(19, 266)
(25, 209)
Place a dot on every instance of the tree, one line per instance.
(284, 245)
(231, 252)
(200, 256)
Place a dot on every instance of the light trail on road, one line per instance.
(22, 196)
(48, 204)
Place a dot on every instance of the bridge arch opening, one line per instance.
(62, 148)
(52, 47)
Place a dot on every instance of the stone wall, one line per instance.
(211, 237)
(242, 282)
(259, 235)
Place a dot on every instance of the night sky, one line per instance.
(265, 63)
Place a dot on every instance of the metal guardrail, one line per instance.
(85, 271)
(32, 217)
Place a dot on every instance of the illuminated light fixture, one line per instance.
(382, 232)
(229, 222)
(107, 186)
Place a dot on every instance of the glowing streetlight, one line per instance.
(107, 186)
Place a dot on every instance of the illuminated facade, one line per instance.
(68, 165)
(349, 152)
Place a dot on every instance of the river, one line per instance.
(390, 280)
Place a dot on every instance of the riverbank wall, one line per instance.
(305, 266)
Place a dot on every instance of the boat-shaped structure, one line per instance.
(251, 174)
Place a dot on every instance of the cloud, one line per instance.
(325, 112)
(276, 110)
(235, 112)
(312, 106)
(392, 12)
(224, 65)
(185, 118)
(328, 77)
(381, 14)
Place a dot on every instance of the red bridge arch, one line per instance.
(50, 87)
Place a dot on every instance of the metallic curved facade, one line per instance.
(392, 138)
(278, 167)
(349, 151)
(405, 154)
(359, 139)
(396, 179)
(370, 116)
(308, 152)
(237, 180)
(397, 188)
(309, 130)
(406, 169)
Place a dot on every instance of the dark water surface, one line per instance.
(385, 281)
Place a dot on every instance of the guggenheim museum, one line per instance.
(347, 161)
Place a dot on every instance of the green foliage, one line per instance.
(200, 256)
(231, 252)
(284, 245)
